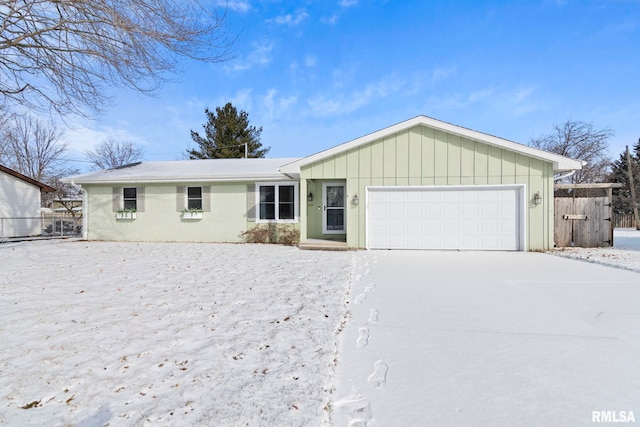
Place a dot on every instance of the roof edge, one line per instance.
(171, 180)
(43, 187)
(560, 163)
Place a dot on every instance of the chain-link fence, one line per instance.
(45, 225)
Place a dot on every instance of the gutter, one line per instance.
(176, 180)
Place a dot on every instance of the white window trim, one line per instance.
(296, 202)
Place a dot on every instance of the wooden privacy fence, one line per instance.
(624, 220)
(583, 221)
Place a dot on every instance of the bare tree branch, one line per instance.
(113, 154)
(62, 55)
(34, 148)
(580, 141)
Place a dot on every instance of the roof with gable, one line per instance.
(560, 163)
(289, 168)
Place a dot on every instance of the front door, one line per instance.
(333, 208)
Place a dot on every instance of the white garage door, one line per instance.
(455, 217)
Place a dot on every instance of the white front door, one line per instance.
(333, 208)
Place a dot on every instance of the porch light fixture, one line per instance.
(354, 200)
(537, 199)
(310, 196)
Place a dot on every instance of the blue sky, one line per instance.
(315, 74)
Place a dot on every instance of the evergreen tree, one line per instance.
(226, 133)
(619, 173)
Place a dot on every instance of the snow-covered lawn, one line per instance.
(625, 252)
(120, 334)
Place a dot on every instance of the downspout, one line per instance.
(85, 219)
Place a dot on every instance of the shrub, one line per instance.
(281, 234)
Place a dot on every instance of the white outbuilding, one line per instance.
(20, 201)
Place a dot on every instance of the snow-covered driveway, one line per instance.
(488, 338)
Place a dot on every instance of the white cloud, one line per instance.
(277, 106)
(515, 101)
(330, 20)
(348, 3)
(290, 19)
(261, 55)
(345, 103)
(441, 73)
(310, 61)
(242, 99)
(237, 6)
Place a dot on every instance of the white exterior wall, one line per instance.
(19, 207)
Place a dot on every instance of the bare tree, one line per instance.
(4, 146)
(35, 149)
(113, 154)
(580, 141)
(61, 55)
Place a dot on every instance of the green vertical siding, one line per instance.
(425, 156)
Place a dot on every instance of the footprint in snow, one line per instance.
(379, 376)
(357, 407)
(373, 316)
(370, 288)
(360, 298)
(363, 337)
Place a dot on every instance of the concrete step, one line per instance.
(322, 245)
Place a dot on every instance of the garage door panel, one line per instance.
(414, 225)
(413, 209)
(488, 209)
(471, 217)
(469, 226)
(470, 209)
(450, 209)
(489, 226)
(431, 209)
(396, 197)
(396, 226)
(395, 210)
